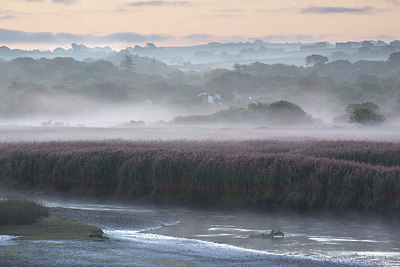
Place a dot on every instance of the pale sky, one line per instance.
(121, 23)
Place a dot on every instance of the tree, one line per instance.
(315, 59)
(395, 58)
(284, 112)
(236, 67)
(307, 84)
(367, 113)
(127, 65)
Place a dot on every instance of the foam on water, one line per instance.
(334, 239)
(7, 240)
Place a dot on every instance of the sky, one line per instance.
(43, 24)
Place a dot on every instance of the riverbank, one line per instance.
(132, 242)
(54, 229)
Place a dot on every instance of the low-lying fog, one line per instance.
(22, 134)
(68, 117)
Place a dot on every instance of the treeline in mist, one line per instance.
(29, 86)
(300, 175)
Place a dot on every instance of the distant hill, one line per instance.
(80, 52)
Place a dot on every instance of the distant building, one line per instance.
(207, 98)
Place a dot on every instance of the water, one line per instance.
(355, 237)
(320, 236)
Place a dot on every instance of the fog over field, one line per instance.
(23, 134)
(200, 133)
(130, 89)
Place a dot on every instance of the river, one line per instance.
(175, 236)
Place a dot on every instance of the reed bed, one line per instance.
(301, 175)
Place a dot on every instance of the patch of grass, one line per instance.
(54, 229)
(14, 210)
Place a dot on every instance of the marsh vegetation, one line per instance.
(16, 211)
(300, 175)
(29, 220)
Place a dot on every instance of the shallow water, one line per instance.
(321, 236)
(359, 238)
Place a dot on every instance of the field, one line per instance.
(299, 175)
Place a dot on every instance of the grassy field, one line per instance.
(299, 175)
(53, 229)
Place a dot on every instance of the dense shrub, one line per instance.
(21, 211)
(367, 113)
(276, 113)
(267, 174)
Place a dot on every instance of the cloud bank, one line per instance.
(158, 3)
(286, 38)
(13, 36)
(65, 2)
(339, 10)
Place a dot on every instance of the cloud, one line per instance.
(232, 10)
(226, 15)
(394, 2)
(204, 38)
(339, 10)
(65, 2)
(380, 37)
(286, 38)
(199, 37)
(7, 16)
(278, 10)
(13, 36)
(158, 3)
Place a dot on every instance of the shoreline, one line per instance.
(148, 249)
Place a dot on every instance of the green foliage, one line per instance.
(276, 113)
(14, 210)
(316, 60)
(54, 229)
(127, 65)
(25, 82)
(287, 112)
(394, 58)
(367, 113)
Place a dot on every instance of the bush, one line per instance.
(365, 113)
(21, 211)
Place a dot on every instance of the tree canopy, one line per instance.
(127, 65)
(367, 113)
(315, 59)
